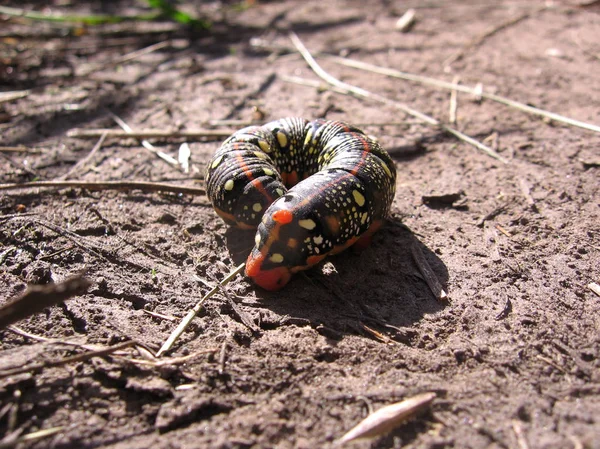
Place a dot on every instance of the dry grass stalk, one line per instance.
(594, 287)
(212, 134)
(432, 280)
(106, 185)
(37, 297)
(185, 322)
(20, 149)
(67, 360)
(387, 418)
(460, 88)
(86, 159)
(453, 102)
(357, 91)
(147, 145)
(159, 315)
(13, 95)
(520, 434)
(169, 361)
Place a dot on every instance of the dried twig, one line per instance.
(107, 185)
(552, 363)
(212, 134)
(503, 231)
(577, 444)
(67, 360)
(520, 434)
(128, 57)
(13, 95)
(478, 92)
(19, 166)
(350, 89)
(223, 356)
(389, 417)
(453, 102)
(147, 145)
(159, 315)
(594, 287)
(85, 160)
(37, 297)
(430, 277)
(185, 322)
(14, 439)
(20, 149)
(461, 88)
(169, 361)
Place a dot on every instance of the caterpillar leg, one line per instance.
(365, 240)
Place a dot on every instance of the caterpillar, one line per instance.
(311, 189)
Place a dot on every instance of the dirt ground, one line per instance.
(514, 353)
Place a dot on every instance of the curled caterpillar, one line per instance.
(341, 186)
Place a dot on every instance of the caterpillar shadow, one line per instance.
(377, 289)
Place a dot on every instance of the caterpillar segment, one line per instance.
(311, 189)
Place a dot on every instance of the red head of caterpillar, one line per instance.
(347, 185)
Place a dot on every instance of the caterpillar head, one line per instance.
(284, 245)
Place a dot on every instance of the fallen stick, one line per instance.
(37, 297)
(432, 281)
(67, 360)
(147, 145)
(185, 322)
(461, 88)
(260, 43)
(381, 99)
(150, 133)
(107, 185)
(13, 95)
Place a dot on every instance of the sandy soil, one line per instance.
(513, 355)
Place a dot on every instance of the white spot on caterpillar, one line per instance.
(268, 171)
(358, 197)
(264, 146)
(257, 207)
(282, 139)
(229, 185)
(318, 240)
(307, 224)
(257, 239)
(260, 155)
(216, 162)
(279, 192)
(276, 258)
(363, 219)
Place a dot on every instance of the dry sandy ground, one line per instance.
(514, 353)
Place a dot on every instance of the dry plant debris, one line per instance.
(389, 417)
